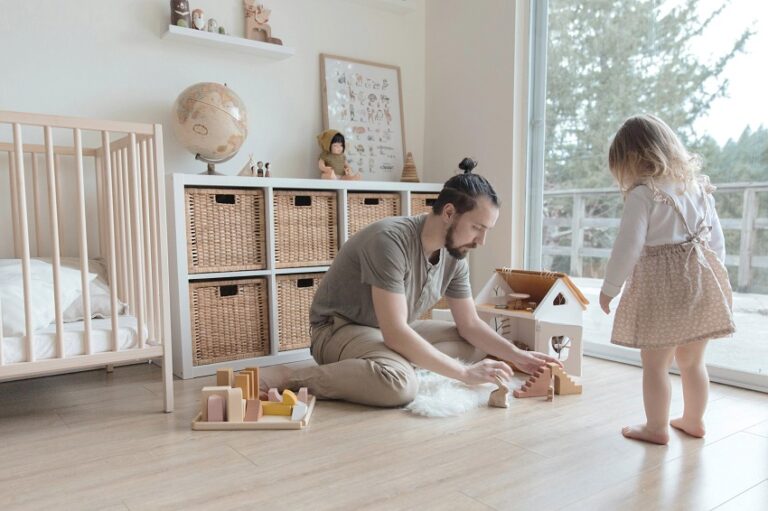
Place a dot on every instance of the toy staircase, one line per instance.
(537, 385)
(564, 385)
(540, 384)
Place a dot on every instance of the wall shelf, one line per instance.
(239, 44)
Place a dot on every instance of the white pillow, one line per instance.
(101, 303)
(41, 294)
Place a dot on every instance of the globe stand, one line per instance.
(211, 170)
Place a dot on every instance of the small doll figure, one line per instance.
(180, 13)
(212, 25)
(332, 163)
(260, 169)
(267, 173)
(198, 19)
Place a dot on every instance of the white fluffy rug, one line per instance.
(439, 396)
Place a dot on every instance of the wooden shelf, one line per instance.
(181, 279)
(213, 40)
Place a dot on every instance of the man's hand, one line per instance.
(531, 361)
(486, 371)
(605, 302)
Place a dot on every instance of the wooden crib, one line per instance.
(91, 192)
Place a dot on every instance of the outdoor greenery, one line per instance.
(610, 59)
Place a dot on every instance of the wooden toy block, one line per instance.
(274, 408)
(243, 382)
(265, 422)
(216, 408)
(536, 385)
(235, 410)
(498, 398)
(274, 396)
(289, 397)
(253, 410)
(299, 411)
(224, 377)
(223, 391)
(254, 381)
(303, 395)
(564, 385)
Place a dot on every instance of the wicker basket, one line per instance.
(225, 229)
(441, 304)
(230, 320)
(294, 299)
(422, 203)
(306, 233)
(366, 208)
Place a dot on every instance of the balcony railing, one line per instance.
(749, 225)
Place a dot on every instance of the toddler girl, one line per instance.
(670, 250)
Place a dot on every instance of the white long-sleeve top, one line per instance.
(646, 222)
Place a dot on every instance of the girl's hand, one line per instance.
(605, 302)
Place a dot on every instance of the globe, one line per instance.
(210, 121)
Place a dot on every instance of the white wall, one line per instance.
(470, 109)
(106, 59)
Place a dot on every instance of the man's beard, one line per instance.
(457, 252)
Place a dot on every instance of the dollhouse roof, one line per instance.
(538, 283)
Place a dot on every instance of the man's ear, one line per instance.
(449, 211)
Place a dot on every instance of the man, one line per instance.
(366, 336)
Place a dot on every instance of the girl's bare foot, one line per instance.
(641, 432)
(692, 428)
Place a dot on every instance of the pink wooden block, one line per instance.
(215, 408)
(303, 395)
(274, 395)
(253, 410)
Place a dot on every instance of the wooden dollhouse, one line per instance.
(540, 311)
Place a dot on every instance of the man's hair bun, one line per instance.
(467, 164)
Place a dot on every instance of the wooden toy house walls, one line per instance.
(558, 315)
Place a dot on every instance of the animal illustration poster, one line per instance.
(363, 100)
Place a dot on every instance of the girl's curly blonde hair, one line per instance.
(646, 149)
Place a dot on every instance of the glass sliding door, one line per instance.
(691, 63)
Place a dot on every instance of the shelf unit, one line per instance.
(181, 278)
(239, 44)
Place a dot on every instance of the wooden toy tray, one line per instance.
(266, 422)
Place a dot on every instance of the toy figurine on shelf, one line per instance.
(332, 163)
(212, 26)
(180, 13)
(260, 169)
(267, 172)
(198, 19)
(257, 23)
(409, 170)
(249, 169)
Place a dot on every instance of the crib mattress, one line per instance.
(74, 339)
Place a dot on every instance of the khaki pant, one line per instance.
(355, 365)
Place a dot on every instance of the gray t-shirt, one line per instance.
(387, 254)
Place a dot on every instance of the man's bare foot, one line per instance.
(273, 377)
(692, 428)
(641, 432)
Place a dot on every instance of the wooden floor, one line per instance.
(99, 441)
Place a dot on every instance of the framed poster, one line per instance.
(363, 100)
